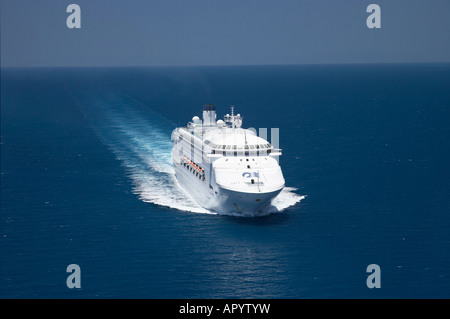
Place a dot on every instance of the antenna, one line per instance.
(232, 116)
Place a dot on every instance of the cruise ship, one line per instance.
(224, 167)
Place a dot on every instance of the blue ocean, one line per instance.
(87, 179)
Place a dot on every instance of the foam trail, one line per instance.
(285, 199)
(138, 139)
(141, 141)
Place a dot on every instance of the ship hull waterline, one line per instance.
(222, 200)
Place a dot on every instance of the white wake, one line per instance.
(143, 146)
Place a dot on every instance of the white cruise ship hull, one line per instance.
(223, 200)
(242, 202)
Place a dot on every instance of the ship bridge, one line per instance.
(239, 142)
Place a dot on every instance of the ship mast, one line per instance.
(232, 117)
(233, 121)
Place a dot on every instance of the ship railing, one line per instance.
(275, 152)
(261, 152)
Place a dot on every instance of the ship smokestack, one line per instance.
(209, 114)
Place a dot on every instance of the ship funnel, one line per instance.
(209, 114)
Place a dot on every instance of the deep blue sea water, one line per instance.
(86, 179)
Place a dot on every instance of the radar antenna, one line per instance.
(232, 116)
